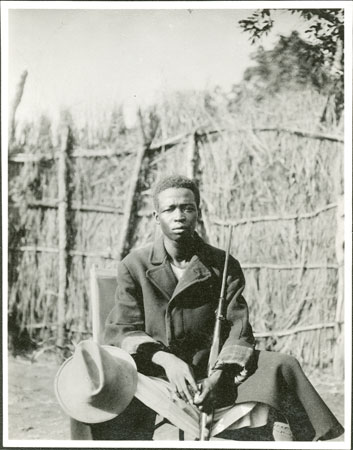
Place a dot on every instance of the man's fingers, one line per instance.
(189, 397)
(190, 379)
(183, 391)
(199, 398)
(182, 381)
(183, 396)
(240, 291)
(174, 394)
(232, 283)
(186, 393)
(188, 386)
(232, 286)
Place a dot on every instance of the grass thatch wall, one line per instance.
(274, 177)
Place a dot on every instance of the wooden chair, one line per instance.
(103, 284)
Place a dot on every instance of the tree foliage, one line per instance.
(294, 63)
(325, 30)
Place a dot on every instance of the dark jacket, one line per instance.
(156, 312)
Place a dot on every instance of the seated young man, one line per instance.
(165, 314)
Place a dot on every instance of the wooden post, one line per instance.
(129, 210)
(62, 223)
(192, 158)
(14, 106)
(338, 359)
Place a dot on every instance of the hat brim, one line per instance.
(84, 411)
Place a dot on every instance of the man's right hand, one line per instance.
(179, 374)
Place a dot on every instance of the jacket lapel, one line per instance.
(195, 272)
(162, 276)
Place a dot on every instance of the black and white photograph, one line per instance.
(176, 224)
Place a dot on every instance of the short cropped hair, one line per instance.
(175, 181)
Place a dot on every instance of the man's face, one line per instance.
(177, 213)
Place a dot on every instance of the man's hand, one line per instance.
(207, 398)
(179, 374)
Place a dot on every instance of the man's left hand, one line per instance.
(206, 399)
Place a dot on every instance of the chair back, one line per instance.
(103, 284)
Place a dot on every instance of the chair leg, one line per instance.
(161, 423)
(165, 421)
(80, 431)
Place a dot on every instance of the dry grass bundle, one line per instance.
(279, 190)
(33, 234)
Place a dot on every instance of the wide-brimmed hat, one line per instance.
(97, 383)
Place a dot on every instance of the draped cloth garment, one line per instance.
(156, 393)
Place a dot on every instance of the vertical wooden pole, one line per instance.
(62, 224)
(129, 210)
(338, 359)
(192, 158)
(14, 106)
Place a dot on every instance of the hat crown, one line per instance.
(88, 360)
(96, 383)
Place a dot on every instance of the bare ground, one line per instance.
(34, 414)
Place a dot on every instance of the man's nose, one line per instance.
(179, 215)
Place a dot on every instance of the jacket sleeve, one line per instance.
(238, 348)
(125, 325)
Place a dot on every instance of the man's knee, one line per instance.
(288, 361)
(290, 368)
(277, 362)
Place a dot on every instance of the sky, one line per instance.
(90, 59)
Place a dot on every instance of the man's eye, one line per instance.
(189, 209)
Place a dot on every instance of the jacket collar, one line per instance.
(158, 252)
(162, 275)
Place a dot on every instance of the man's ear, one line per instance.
(156, 216)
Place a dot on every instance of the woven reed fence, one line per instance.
(279, 186)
